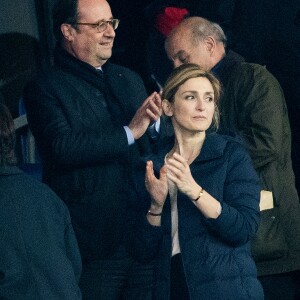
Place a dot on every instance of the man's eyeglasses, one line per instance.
(102, 25)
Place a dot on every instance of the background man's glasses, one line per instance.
(102, 25)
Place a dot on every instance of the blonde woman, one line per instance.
(204, 200)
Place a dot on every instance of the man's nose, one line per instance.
(109, 31)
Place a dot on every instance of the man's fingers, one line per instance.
(157, 99)
(151, 115)
(154, 107)
(151, 97)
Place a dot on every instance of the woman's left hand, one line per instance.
(179, 172)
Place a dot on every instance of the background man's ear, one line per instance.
(167, 108)
(210, 44)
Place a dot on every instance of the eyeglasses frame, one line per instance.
(97, 25)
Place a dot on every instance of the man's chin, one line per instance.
(106, 55)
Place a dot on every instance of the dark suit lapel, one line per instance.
(96, 103)
(117, 85)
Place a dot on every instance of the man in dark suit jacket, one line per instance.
(90, 128)
(39, 258)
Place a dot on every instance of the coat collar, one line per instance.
(213, 147)
(225, 65)
(112, 82)
(83, 70)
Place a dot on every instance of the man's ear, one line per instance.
(67, 31)
(210, 44)
(167, 108)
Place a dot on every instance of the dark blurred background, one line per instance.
(263, 31)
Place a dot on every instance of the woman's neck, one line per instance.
(188, 147)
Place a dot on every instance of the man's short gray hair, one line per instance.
(202, 28)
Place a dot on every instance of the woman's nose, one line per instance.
(200, 104)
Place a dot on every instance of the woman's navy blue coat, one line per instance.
(215, 252)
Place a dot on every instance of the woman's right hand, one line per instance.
(156, 187)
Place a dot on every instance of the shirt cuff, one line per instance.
(157, 125)
(129, 134)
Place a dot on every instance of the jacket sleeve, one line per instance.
(239, 218)
(262, 114)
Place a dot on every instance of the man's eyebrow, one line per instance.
(104, 20)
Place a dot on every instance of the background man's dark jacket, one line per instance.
(39, 258)
(253, 104)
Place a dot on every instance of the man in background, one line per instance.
(252, 105)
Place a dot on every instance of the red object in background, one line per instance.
(169, 18)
